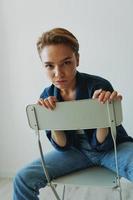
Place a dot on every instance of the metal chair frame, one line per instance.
(74, 115)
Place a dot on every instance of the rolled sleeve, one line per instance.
(105, 146)
(55, 145)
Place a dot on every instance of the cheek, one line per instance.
(71, 73)
(73, 70)
(49, 74)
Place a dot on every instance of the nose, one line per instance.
(58, 71)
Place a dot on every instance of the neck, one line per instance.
(69, 90)
(69, 94)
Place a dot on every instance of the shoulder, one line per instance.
(48, 91)
(92, 78)
(95, 82)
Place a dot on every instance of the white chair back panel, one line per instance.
(76, 115)
(73, 115)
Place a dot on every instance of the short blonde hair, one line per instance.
(58, 36)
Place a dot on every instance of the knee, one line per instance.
(129, 170)
(27, 177)
(19, 179)
(129, 173)
(24, 178)
(23, 186)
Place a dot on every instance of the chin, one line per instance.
(61, 86)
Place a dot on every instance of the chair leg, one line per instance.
(45, 168)
(55, 192)
(119, 192)
(63, 194)
(119, 188)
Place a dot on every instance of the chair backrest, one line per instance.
(74, 115)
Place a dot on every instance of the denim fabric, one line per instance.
(30, 179)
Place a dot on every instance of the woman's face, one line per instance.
(60, 64)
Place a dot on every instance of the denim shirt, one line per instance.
(86, 84)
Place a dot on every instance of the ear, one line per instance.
(77, 59)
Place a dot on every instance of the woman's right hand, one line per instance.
(49, 103)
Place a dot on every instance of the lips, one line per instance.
(60, 81)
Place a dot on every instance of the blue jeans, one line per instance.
(30, 179)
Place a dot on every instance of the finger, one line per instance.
(40, 102)
(106, 96)
(52, 102)
(113, 96)
(43, 102)
(96, 93)
(52, 98)
(101, 96)
(119, 96)
(48, 104)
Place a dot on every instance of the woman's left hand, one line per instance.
(103, 95)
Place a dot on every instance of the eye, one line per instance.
(68, 62)
(49, 66)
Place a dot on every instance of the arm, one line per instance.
(102, 97)
(101, 134)
(59, 137)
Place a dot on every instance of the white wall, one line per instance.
(104, 29)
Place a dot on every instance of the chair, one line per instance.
(66, 117)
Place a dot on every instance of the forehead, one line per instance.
(56, 53)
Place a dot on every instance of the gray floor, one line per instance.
(5, 188)
(80, 193)
(72, 193)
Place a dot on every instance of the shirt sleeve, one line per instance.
(105, 146)
(44, 94)
(55, 145)
(102, 84)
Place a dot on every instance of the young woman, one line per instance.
(59, 53)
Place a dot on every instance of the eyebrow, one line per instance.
(48, 62)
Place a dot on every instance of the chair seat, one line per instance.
(93, 176)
